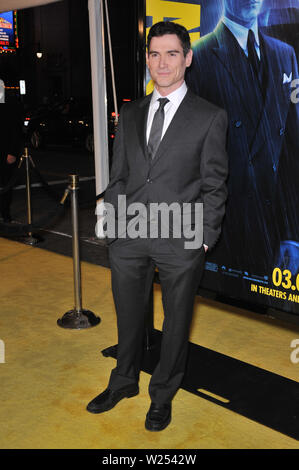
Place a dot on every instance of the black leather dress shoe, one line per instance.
(158, 417)
(109, 398)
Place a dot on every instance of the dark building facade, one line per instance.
(61, 32)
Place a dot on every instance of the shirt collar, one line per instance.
(241, 32)
(175, 97)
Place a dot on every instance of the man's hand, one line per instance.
(10, 159)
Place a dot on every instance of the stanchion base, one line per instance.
(78, 320)
(32, 239)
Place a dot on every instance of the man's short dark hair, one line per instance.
(168, 27)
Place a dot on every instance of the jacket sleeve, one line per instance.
(288, 197)
(214, 172)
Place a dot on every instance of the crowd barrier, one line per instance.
(11, 229)
(77, 318)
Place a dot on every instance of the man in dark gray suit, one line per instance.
(169, 149)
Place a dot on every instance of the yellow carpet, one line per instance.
(50, 373)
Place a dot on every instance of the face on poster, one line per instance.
(257, 256)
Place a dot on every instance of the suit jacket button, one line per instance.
(281, 131)
(238, 124)
(149, 180)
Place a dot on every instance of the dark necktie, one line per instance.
(156, 129)
(252, 54)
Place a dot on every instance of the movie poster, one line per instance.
(7, 35)
(245, 60)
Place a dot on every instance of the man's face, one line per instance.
(244, 10)
(167, 63)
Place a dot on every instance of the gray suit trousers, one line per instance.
(133, 263)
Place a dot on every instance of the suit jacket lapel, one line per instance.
(230, 54)
(179, 121)
(141, 121)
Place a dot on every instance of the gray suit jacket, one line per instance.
(190, 165)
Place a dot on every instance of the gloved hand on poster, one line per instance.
(289, 256)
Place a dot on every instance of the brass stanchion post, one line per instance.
(30, 239)
(77, 318)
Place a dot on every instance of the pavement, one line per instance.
(55, 164)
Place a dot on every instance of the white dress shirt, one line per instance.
(241, 34)
(175, 99)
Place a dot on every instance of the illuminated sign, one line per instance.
(22, 87)
(9, 41)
